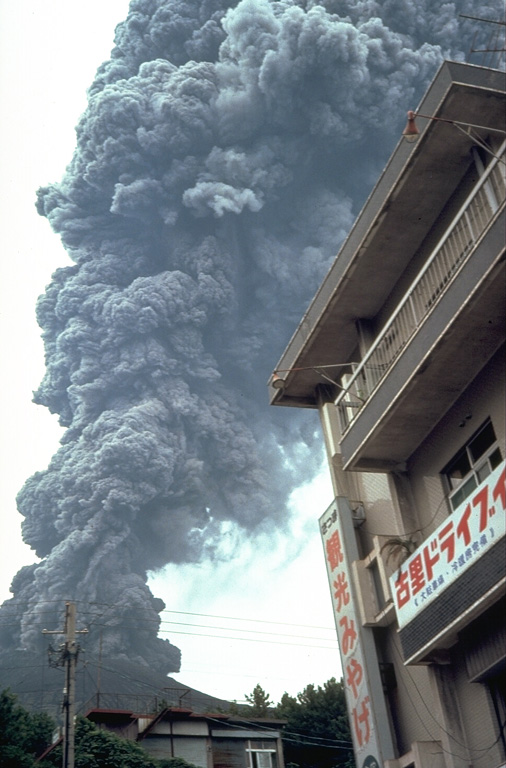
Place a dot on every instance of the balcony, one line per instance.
(415, 367)
(412, 193)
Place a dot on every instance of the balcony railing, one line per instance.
(445, 261)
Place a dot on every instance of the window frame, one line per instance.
(474, 475)
(250, 751)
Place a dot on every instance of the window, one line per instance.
(261, 754)
(260, 759)
(477, 459)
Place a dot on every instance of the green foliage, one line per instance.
(232, 708)
(259, 701)
(317, 733)
(235, 709)
(95, 748)
(22, 735)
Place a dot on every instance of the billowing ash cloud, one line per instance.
(223, 156)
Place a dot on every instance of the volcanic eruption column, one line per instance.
(219, 164)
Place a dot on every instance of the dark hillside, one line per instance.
(115, 684)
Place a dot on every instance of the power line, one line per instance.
(228, 637)
(154, 689)
(185, 624)
(95, 620)
(230, 618)
(346, 742)
(231, 629)
(238, 629)
(183, 613)
(317, 741)
(256, 621)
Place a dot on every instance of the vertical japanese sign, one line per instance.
(459, 542)
(358, 657)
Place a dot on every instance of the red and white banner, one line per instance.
(359, 697)
(472, 529)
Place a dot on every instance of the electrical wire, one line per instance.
(256, 621)
(407, 533)
(228, 637)
(346, 742)
(145, 620)
(152, 689)
(165, 627)
(229, 618)
(312, 744)
(232, 629)
(109, 607)
(319, 743)
(185, 613)
(301, 739)
(94, 662)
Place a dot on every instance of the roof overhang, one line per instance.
(416, 183)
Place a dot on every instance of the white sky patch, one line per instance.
(263, 582)
(49, 53)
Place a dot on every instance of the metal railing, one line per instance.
(447, 258)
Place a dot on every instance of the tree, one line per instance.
(232, 708)
(259, 701)
(317, 733)
(22, 735)
(95, 748)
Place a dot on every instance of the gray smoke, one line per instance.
(224, 153)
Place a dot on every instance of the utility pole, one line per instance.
(99, 670)
(68, 659)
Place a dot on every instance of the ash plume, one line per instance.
(224, 154)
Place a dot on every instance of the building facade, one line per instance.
(204, 740)
(214, 741)
(402, 353)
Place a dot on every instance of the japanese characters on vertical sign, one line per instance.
(358, 694)
(472, 529)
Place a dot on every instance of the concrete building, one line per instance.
(204, 740)
(214, 741)
(402, 353)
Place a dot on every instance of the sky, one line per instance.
(285, 639)
(222, 159)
